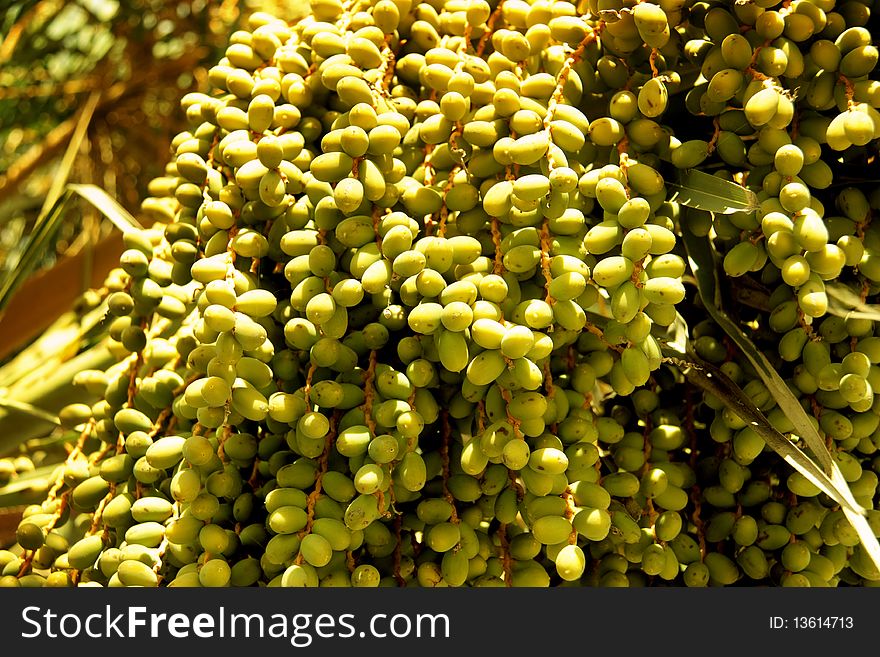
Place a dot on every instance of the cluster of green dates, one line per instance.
(399, 316)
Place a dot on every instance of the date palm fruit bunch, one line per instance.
(400, 316)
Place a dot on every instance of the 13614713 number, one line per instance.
(822, 622)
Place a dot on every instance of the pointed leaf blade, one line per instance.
(107, 205)
(704, 191)
(843, 302)
(38, 244)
